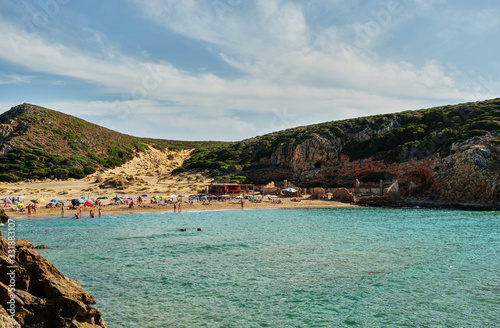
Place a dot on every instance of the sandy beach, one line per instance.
(147, 207)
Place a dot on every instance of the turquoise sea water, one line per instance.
(283, 268)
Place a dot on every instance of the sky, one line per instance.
(234, 69)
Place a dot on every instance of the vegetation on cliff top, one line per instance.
(402, 136)
(41, 142)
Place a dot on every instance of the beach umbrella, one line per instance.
(156, 197)
(62, 201)
(21, 196)
(87, 203)
(116, 198)
(102, 197)
(144, 195)
(289, 189)
(18, 203)
(127, 200)
(75, 202)
(54, 201)
(40, 200)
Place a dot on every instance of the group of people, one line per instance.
(91, 213)
(31, 208)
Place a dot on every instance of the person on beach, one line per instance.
(91, 214)
(77, 216)
(62, 209)
(242, 203)
(99, 212)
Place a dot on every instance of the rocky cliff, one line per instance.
(34, 294)
(470, 173)
(318, 152)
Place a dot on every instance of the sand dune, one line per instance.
(150, 170)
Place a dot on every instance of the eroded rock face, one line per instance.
(472, 172)
(312, 153)
(44, 298)
(318, 152)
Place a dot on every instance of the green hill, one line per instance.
(37, 142)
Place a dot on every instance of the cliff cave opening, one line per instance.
(317, 165)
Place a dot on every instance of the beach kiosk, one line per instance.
(231, 189)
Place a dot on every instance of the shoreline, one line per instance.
(44, 212)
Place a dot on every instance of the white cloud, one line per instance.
(14, 78)
(313, 75)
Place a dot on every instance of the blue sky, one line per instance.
(234, 69)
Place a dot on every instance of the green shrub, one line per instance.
(76, 173)
(60, 173)
(73, 145)
(179, 170)
(89, 170)
(9, 177)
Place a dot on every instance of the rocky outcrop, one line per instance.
(3, 217)
(44, 298)
(393, 191)
(471, 172)
(343, 195)
(317, 193)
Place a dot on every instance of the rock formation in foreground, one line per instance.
(44, 297)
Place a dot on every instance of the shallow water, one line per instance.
(283, 268)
